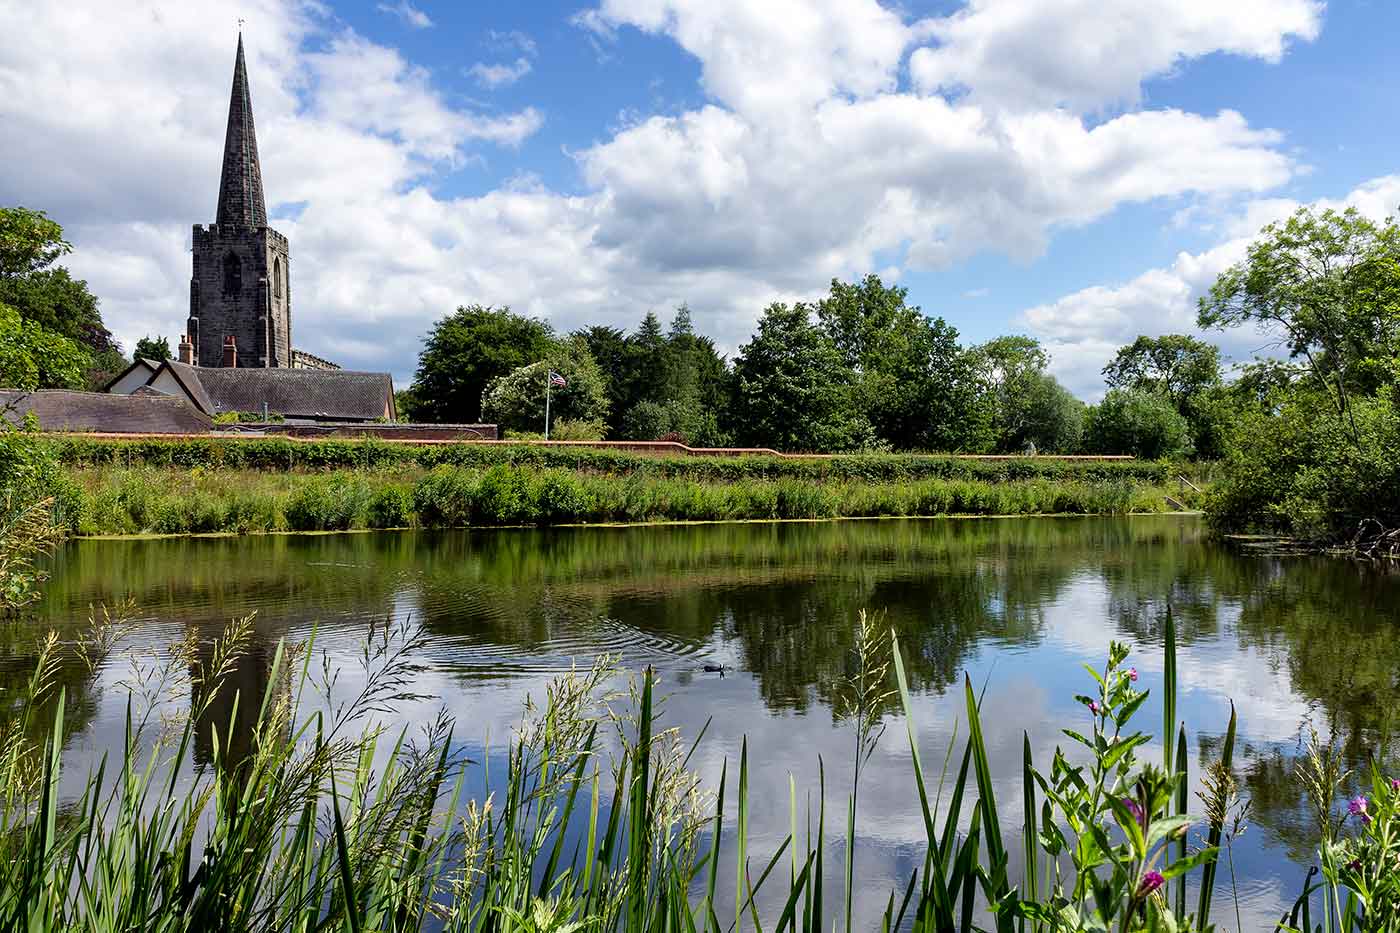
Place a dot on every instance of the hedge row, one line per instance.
(281, 455)
(146, 500)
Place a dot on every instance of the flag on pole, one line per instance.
(555, 379)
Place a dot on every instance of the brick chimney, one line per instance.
(230, 352)
(186, 350)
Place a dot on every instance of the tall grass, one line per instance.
(166, 501)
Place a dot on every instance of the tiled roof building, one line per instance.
(296, 394)
(67, 410)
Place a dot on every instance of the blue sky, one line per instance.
(1075, 170)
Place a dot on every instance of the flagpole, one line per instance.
(547, 381)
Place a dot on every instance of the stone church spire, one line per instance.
(240, 184)
(241, 286)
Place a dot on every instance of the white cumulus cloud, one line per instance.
(1087, 54)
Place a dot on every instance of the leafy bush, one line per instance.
(559, 497)
(1143, 424)
(329, 504)
(443, 498)
(390, 507)
(503, 497)
(1297, 471)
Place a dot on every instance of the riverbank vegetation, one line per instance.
(1314, 450)
(92, 486)
(174, 501)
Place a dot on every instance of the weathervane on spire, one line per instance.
(241, 21)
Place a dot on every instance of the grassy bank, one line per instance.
(280, 454)
(169, 500)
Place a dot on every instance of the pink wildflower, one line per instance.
(1356, 806)
(1151, 881)
(1132, 674)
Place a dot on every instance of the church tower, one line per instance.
(240, 292)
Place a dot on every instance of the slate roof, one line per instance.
(66, 410)
(320, 394)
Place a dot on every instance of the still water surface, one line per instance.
(1015, 603)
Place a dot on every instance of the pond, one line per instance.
(1017, 604)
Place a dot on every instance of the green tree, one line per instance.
(793, 390)
(30, 244)
(647, 421)
(1185, 370)
(466, 351)
(1328, 284)
(908, 379)
(1008, 370)
(34, 358)
(608, 347)
(1143, 424)
(152, 348)
(1055, 417)
(516, 400)
(1178, 366)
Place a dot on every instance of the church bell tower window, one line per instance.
(233, 274)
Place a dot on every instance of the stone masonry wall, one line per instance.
(232, 282)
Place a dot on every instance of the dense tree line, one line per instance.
(860, 369)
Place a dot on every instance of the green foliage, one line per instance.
(165, 501)
(909, 381)
(1175, 365)
(516, 400)
(1295, 470)
(152, 348)
(390, 506)
(659, 383)
(1020, 408)
(1329, 284)
(32, 504)
(646, 421)
(1185, 370)
(793, 390)
(29, 241)
(330, 503)
(465, 352)
(61, 304)
(1142, 424)
(1311, 447)
(34, 358)
(45, 294)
